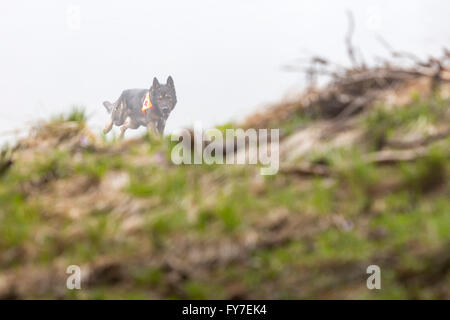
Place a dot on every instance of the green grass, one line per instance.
(383, 123)
(427, 222)
(17, 220)
(294, 123)
(427, 173)
(148, 277)
(97, 167)
(343, 245)
(396, 215)
(76, 114)
(200, 290)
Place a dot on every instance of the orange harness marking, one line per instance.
(147, 103)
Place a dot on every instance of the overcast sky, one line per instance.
(225, 56)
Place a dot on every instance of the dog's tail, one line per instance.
(109, 106)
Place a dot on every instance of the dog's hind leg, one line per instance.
(129, 124)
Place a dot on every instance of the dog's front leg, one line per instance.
(108, 126)
(152, 129)
(160, 126)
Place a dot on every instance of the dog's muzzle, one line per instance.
(165, 110)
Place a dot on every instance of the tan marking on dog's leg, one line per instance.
(108, 127)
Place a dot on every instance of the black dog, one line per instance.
(142, 107)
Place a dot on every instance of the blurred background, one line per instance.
(226, 57)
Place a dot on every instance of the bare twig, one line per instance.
(307, 169)
(421, 142)
(398, 54)
(392, 156)
(348, 39)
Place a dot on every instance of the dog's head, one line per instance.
(163, 96)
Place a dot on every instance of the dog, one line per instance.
(141, 107)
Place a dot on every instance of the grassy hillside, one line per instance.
(372, 189)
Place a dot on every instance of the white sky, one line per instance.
(225, 56)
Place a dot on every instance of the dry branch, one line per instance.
(307, 169)
(385, 157)
(420, 142)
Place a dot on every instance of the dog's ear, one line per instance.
(155, 83)
(170, 82)
(108, 105)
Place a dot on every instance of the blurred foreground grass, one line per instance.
(141, 227)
